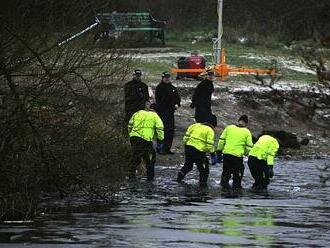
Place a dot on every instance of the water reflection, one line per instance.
(238, 224)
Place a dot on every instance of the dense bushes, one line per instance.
(57, 134)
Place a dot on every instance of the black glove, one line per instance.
(160, 146)
(270, 172)
(219, 157)
(213, 158)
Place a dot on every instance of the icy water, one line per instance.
(293, 213)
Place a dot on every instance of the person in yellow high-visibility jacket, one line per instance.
(235, 142)
(261, 161)
(143, 127)
(198, 140)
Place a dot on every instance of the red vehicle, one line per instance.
(194, 61)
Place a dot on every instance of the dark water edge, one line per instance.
(294, 212)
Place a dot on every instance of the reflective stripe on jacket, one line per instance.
(235, 140)
(200, 136)
(146, 124)
(265, 149)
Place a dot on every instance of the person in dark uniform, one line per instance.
(136, 95)
(167, 100)
(201, 99)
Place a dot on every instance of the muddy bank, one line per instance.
(302, 109)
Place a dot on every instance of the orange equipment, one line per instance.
(222, 70)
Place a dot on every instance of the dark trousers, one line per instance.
(142, 150)
(259, 171)
(168, 121)
(192, 155)
(232, 167)
(202, 114)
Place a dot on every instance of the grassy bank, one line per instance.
(291, 60)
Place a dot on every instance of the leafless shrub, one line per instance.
(56, 133)
(315, 58)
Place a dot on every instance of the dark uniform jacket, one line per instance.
(166, 97)
(202, 94)
(136, 96)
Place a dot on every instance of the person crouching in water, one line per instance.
(198, 140)
(235, 142)
(261, 161)
(143, 126)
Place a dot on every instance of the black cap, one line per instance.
(212, 120)
(137, 72)
(244, 118)
(166, 74)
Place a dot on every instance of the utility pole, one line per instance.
(222, 69)
(217, 42)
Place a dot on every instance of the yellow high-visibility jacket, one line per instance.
(236, 141)
(265, 149)
(146, 125)
(200, 136)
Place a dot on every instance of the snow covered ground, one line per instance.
(284, 62)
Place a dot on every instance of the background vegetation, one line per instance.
(287, 20)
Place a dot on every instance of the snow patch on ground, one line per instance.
(160, 55)
(168, 57)
(247, 87)
(284, 62)
(282, 86)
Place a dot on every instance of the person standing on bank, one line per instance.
(235, 141)
(261, 161)
(136, 95)
(167, 101)
(198, 140)
(201, 99)
(143, 127)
